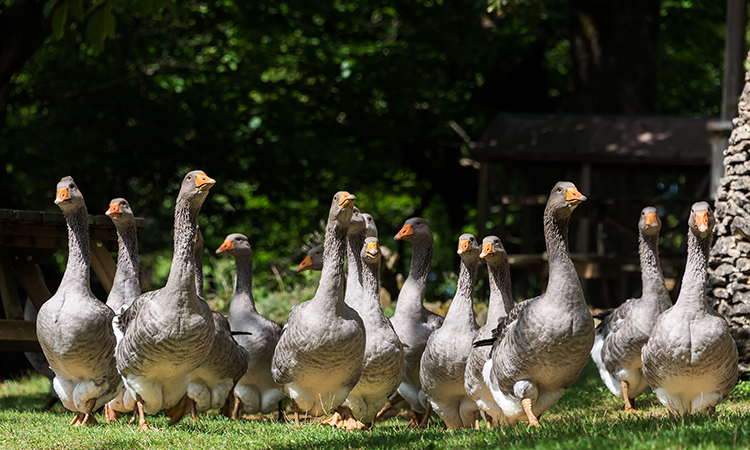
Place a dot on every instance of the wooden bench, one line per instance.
(29, 239)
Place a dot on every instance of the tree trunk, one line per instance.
(23, 29)
(614, 55)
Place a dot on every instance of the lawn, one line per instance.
(587, 417)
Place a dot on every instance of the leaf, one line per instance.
(76, 9)
(48, 7)
(58, 22)
(95, 33)
(109, 23)
(118, 5)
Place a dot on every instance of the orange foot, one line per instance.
(178, 411)
(110, 414)
(77, 420)
(343, 418)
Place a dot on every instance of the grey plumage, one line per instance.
(73, 327)
(167, 333)
(413, 323)
(318, 358)
(542, 346)
(443, 362)
(256, 389)
(126, 286)
(621, 335)
(690, 360)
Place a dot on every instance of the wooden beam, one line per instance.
(18, 336)
(103, 264)
(32, 282)
(8, 289)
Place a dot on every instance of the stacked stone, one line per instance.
(729, 263)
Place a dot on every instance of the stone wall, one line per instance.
(729, 263)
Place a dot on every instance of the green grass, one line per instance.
(587, 417)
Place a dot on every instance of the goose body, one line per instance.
(690, 360)
(443, 362)
(543, 344)
(213, 381)
(384, 354)
(126, 286)
(256, 390)
(318, 359)
(623, 333)
(73, 327)
(413, 323)
(501, 302)
(167, 333)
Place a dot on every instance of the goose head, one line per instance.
(371, 250)
(357, 224)
(195, 185)
(236, 244)
(564, 198)
(372, 230)
(120, 213)
(313, 260)
(68, 197)
(342, 209)
(415, 230)
(468, 247)
(701, 220)
(493, 250)
(649, 224)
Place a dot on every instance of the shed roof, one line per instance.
(597, 139)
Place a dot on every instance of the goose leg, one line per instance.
(281, 417)
(236, 409)
(227, 410)
(142, 425)
(50, 403)
(416, 419)
(178, 411)
(296, 413)
(134, 417)
(426, 418)
(77, 419)
(344, 419)
(526, 403)
(488, 419)
(110, 414)
(477, 418)
(391, 403)
(628, 405)
(193, 412)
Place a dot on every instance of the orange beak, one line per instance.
(573, 197)
(372, 249)
(463, 246)
(651, 220)
(203, 182)
(486, 250)
(62, 197)
(114, 210)
(701, 220)
(226, 247)
(346, 200)
(405, 232)
(306, 264)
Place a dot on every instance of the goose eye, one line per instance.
(190, 177)
(559, 189)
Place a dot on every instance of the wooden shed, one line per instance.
(621, 164)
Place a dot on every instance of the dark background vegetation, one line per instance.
(286, 102)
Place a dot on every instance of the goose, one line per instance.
(443, 363)
(500, 304)
(384, 354)
(543, 344)
(125, 287)
(313, 260)
(212, 383)
(318, 358)
(73, 327)
(256, 390)
(413, 323)
(166, 334)
(690, 360)
(624, 331)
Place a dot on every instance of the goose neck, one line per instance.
(79, 251)
(561, 268)
(182, 273)
(652, 278)
(462, 306)
(354, 281)
(242, 299)
(331, 286)
(125, 286)
(370, 287)
(414, 288)
(692, 291)
(501, 297)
